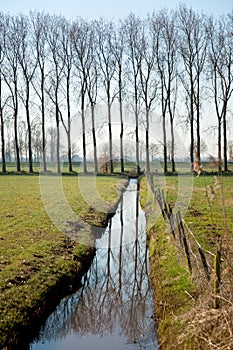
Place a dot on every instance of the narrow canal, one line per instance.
(114, 307)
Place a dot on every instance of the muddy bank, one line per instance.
(29, 322)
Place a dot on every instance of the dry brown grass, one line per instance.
(208, 328)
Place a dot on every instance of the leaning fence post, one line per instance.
(184, 239)
(204, 262)
(159, 199)
(179, 227)
(164, 204)
(217, 278)
(187, 252)
(171, 220)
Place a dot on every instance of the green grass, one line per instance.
(130, 166)
(208, 219)
(34, 254)
(205, 216)
(77, 167)
(169, 272)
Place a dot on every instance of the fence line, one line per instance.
(188, 242)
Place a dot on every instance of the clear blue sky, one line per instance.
(110, 9)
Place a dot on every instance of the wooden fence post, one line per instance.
(204, 262)
(164, 205)
(171, 220)
(160, 201)
(184, 239)
(179, 226)
(187, 253)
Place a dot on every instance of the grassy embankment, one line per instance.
(184, 302)
(36, 258)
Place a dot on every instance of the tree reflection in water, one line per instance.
(115, 300)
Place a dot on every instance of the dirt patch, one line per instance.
(194, 212)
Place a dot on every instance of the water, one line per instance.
(114, 307)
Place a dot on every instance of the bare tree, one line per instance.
(148, 80)
(221, 73)
(39, 21)
(193, 39)
(92, 89)
(82, 45)
(163, 27)
(168, 69)
(11, 76)
(2, 104)
(107, 64)
(56, 74)
(133, 33)
(118, 51)
(66, 55)
(28, 66)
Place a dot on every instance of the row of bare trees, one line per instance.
(174, 63)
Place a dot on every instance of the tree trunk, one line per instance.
(136, 127)
(3, 141)
(69, 125)
(94, 137)
(58, 137)
(43, 124)
(17, 152)
(2, 131)
(219, 147)
(122, 125)
(164, 145)
(172, 146)
(225, 142)
(83, 135)
(164, 102)
(147, 143)
(191, 123)
(110, 138)
(121, 140)
(29, 129)
(198, 121)
(191, 143)
(137, 144)
(69, 153)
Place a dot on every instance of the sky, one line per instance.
(109, 9)
(92, 9)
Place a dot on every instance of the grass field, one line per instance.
(77, 167)
(184, 302)
(34, 254)
(156, 167)
(40, 213)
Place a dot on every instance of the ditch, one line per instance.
(114, 307)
